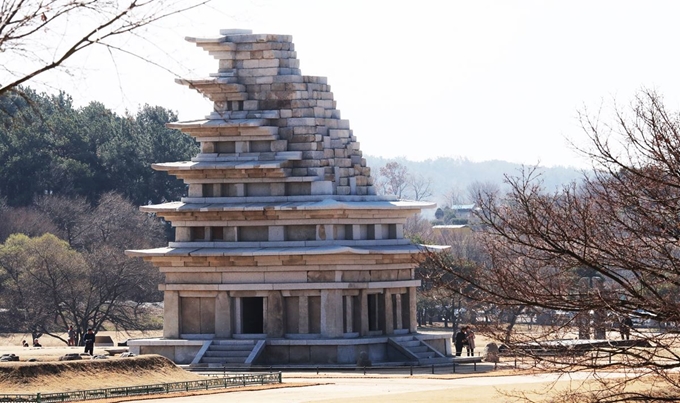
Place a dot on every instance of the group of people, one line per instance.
(465, 337)
(88, 340)
(36, 343)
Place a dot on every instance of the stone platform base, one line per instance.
(296, 351)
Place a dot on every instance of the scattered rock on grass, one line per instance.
(9, 357)
(70, 357)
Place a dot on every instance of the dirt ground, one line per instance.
(49, 376)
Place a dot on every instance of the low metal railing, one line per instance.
(203, 384)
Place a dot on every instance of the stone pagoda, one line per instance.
(283, 252)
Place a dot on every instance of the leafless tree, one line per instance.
(47, 283)
(37, 36)
(453, 196)
(393, 179)
(596, 251)
(420, 186)
(475, 188)
(24, 220)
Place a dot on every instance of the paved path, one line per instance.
(353, 389)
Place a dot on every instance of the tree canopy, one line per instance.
(47, 146)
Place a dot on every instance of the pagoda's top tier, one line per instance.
(272, 131)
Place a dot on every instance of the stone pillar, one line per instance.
(413, 325)
(222, 316)
(207, 147)
(274, 314)
(182, 234)
(238, 313)
(377, 231)
(324, 232)
(363, 297)
(397, 310)
(389, 312)
(171, 314)
(331, 313)
(356, 231)
(195, 190)
(229, 234)
(303, 314)
(348, 313)
(242, 146)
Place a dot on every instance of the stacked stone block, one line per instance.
(259, 78)
(281, 222)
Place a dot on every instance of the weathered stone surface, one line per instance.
(281, 233)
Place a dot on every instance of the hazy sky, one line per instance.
(480, 80)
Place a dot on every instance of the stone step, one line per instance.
(427, 354)
(418, 349)
(230, 348)
(409, 344)
(210, 353)
(233, 342)
(400, 339)
(219, 360)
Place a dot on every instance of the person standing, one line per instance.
(459, 341)
(470, 337)
(89, 341)
(71, 336)
(625, 324)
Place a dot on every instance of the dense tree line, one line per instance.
(71, 180)
(62, 263)
(48, 146)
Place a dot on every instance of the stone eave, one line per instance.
(340, 285)
(283, 205)
(217, 123)
(276, 251)
(247, 157)
(225, 84)
(213, 165)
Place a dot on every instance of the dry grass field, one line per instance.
(60, 376)
(49, 375)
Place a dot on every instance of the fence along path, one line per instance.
(203, 384)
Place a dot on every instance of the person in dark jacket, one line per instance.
(89, 342)
(459, 341)
(625, 324)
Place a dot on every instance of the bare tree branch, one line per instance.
(27, 20)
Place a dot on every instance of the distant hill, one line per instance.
(459, 173)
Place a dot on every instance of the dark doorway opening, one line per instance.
(253, 314)
(375, 309)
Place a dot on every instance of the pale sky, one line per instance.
(480, 80)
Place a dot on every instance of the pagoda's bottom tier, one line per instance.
(373, 309)
(251, 351)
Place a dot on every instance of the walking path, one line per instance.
(344, 388)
